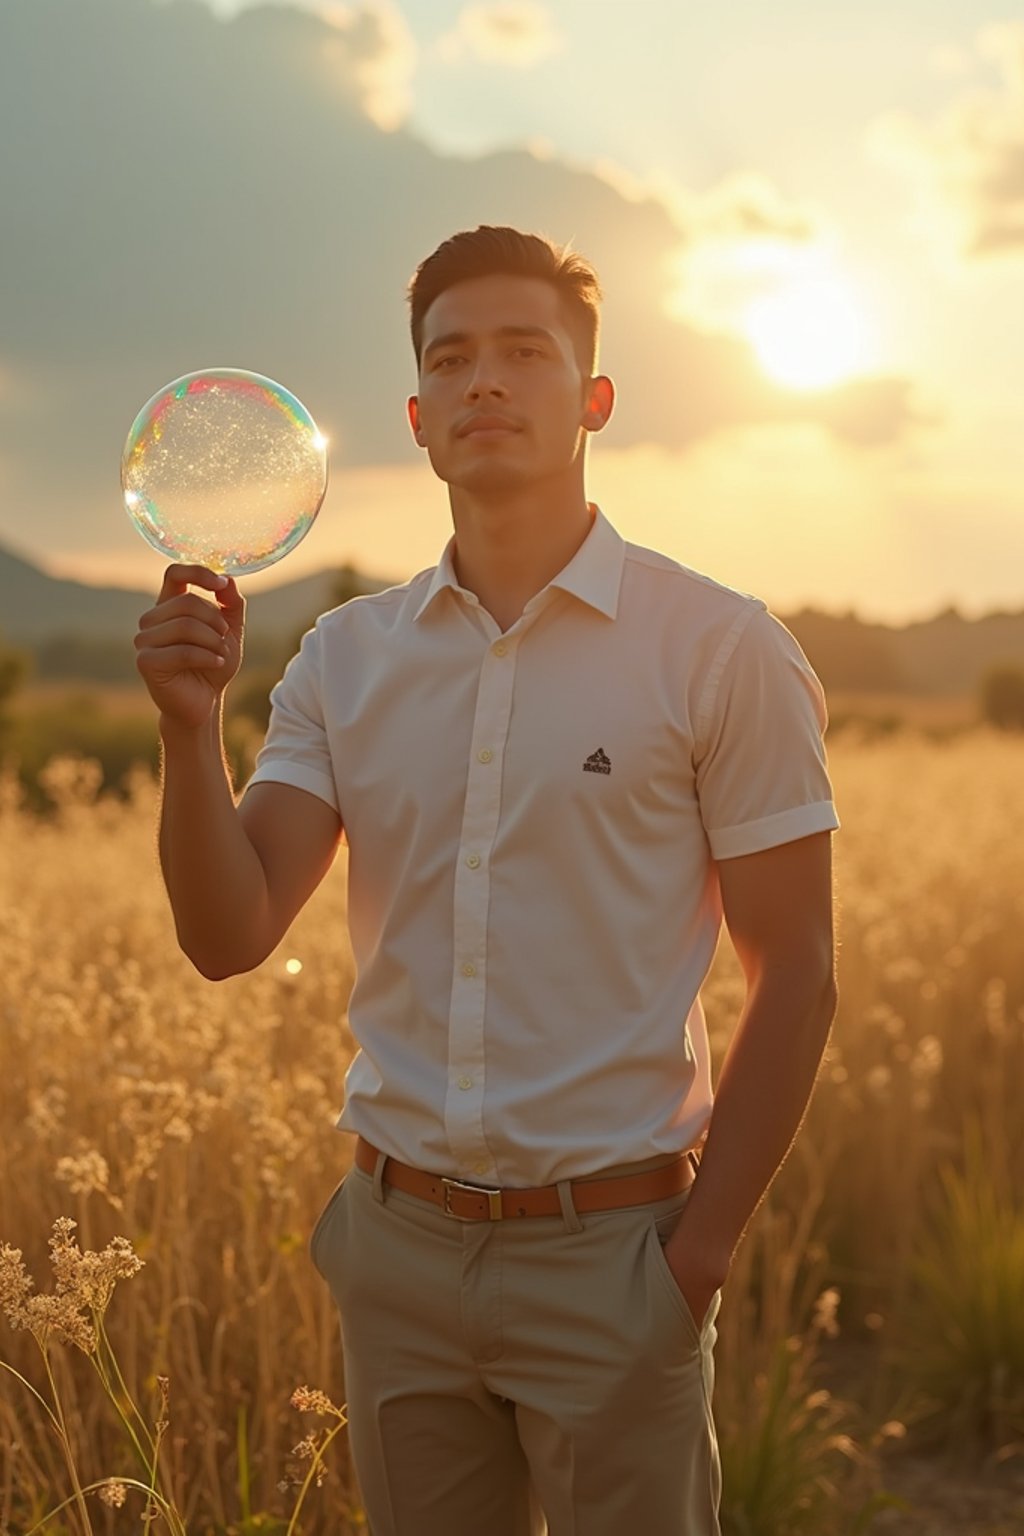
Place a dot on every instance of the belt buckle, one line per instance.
(494, 1212)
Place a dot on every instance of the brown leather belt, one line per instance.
(474, 1202)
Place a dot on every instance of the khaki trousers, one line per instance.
(520, 1377)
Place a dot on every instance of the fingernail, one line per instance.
(221, 581)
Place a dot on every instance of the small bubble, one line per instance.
(293, 967)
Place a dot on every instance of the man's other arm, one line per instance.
(778, 909)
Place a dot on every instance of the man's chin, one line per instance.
(489, 480)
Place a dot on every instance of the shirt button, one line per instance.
(469, 969)
(473, 860)
(480, 1167)
(500, 648)
(485, 754)
(465, 1082)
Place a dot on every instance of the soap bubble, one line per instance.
(224, 468)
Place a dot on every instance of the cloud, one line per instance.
(968, 165)
(375, 46)
(949, 62)
(368, 47)
(518, 33)
(748, 206)
(874, 413)
(183, 190)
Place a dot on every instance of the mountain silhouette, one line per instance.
(36, 608)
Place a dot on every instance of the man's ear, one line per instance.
(600, 401)
(412, 405)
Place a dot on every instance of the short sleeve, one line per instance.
(296, 749)
(762, 776)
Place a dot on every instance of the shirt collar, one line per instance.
(594, 574)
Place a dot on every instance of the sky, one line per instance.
(807, 218)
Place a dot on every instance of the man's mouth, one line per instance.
(486, 426)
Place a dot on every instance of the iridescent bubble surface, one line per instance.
(224, 468)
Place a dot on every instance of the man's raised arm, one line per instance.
(236, 875)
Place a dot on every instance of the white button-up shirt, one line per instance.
(533, 820)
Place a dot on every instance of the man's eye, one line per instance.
(527, 352)
(443, 362)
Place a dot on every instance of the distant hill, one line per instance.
(77, 630)
(940, 656)
(55, 618)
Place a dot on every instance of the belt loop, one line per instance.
(569, 1216)
(378, 1177)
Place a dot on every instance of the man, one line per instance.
(558, 759)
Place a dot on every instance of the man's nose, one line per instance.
(485, 378)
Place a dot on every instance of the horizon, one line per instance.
(255, 585)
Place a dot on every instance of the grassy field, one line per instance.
(871, 1336)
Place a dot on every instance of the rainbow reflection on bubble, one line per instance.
(224, 468)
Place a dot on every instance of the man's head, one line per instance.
(496, 250)
(504, 327)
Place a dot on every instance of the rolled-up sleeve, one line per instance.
(761, 769)
(296, 749)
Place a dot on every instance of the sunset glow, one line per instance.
(809, 335)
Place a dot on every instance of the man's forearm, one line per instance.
(760, 1100)
(214, 878)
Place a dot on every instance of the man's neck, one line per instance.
(506, 552)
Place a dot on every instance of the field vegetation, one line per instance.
(873, 1323)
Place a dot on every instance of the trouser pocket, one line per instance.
(659, 1232)
(316, 1238)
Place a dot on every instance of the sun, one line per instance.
(808, 335)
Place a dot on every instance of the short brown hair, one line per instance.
(493, 250)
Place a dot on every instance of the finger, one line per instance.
(231, 603)
(188, 605)
(207, 633)
(177, 578)
(161, 661)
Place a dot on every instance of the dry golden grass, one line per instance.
(115, 699)
(197, 1120)
(938, 712)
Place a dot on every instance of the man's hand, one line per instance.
(698, 1273)
(190, 649)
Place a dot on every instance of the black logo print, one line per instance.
(598, 762)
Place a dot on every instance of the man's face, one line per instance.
(503, 401)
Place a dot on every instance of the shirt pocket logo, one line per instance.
(598, 762)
